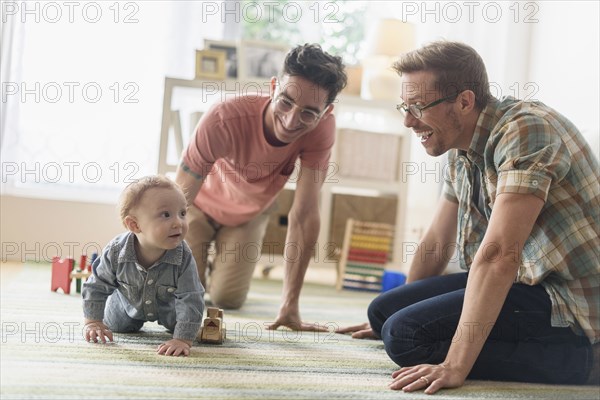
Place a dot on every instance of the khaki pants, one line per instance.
(234, 254)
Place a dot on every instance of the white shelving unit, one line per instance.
(371, 147)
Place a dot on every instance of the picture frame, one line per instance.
(231, 50)
(210, 64)
(259, 60)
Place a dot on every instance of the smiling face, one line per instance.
(159, 223)
(287, 126)
(444, 126)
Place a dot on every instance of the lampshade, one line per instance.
(390, 37)
(386, 41)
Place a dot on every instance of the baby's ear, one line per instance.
(132, 224)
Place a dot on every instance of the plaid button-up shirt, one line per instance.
(527, 147)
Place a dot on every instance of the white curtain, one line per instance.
(83, 91)
(11, 37)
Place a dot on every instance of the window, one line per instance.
(83, 104)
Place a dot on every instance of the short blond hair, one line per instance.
(132, 194)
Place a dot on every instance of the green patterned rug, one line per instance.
(43, 355)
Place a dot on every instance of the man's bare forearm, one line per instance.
(299, 249)
(433, 253)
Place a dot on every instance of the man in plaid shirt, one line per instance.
(521, 206)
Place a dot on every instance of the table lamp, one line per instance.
(388, 39)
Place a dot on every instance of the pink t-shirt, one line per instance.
(243, 172)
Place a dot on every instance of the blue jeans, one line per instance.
(118, 321)
(419, 321)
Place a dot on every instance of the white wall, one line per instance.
(565, 63)
(39, 229)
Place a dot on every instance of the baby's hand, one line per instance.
(96, 331)
(175, 347)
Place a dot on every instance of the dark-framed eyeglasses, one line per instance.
(416, 110)
(285, 105)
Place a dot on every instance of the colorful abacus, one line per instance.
(366, 251)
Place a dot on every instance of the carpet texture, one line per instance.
(43, 354)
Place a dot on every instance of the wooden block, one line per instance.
(82, 262)
(61, 274)
(213, 328)
(79, 276)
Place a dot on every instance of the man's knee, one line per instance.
(377, 314)
(402, 341)
(376, 320)
(228, 301)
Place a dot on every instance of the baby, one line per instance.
(147, 273)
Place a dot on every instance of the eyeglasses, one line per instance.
(307, 117)
(417, 111)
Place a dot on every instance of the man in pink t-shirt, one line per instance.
(242, 154)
